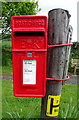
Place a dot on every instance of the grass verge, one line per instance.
(69, 102)
(30, 107)
(18, 107)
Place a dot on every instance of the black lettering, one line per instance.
(53, 106)
(29, 70)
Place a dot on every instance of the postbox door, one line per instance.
(29, 74)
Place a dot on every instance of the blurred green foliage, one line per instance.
(6, 52)
(74, 55)
(10, 9)
(75, 50)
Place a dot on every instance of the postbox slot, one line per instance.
(32, 33)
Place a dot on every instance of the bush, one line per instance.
(6, 45)
(69, 68)
(6, 59)
(75, 50)
(77, 72)
(6, 52)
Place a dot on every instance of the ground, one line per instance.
(73, 78)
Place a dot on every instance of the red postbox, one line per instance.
(29, 50)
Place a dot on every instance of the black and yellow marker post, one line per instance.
(53, 103)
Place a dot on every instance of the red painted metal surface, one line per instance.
(29, 34)
(58, 79)
(59, 45)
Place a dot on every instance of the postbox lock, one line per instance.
(29, 54)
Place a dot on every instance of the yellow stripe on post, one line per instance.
(53, 105)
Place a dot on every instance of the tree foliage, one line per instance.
(75, 50)
(14, 9)
(74, 55)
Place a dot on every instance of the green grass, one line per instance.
(25, 107)
(18, 107)
(69, 102)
